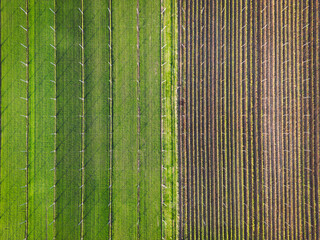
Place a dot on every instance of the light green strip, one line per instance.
(125, 108)
(13, 125)
(42, 108)
(168, 94)
(150, 165)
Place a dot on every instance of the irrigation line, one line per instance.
(198, 164)
(305, 118)
(249, 120)
(286, 127)
(184, 134)
(308, 120)
(252, 145)
(174, 97)
(291, 203)
(276, 122)
(228, 120)
(138, 121)
(55, 122)
(193, 111)
(183, 153)
(282, 126)
(259, 160)
(161, 122)
(301, 114)
(233, 13)
(180, 122)
(237, 121)
(265, 115)
(220, 114)
(244, 116)
(224, 125)
(209, 125)
(187, 121)
(179, 232)
(273, 163)
(269, 125)
(201, 114)
(27, 120)
(82, 150)
(211, 115)
(193, 118)
(217, 133)
(162, 154)
(264, 95)
(240, 113)
(189, 146)
(0, 97)
(295, 115)
(214, 94)
(311, 128)
(316, 112)
(204, 148)
(111, 120)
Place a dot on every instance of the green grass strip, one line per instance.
(68, 34)
(97, 130)
(168, 110)
(42, 121)
(150, 165)
(13, 118)
(125, 109)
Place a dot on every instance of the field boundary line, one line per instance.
(111, 119)
(82, 149)
(138, 122)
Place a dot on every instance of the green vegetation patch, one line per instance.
(13, 121)
(68, 120)
(168, 90)
(42, 122)
(97, 124)
(125, 127)
(150, 160)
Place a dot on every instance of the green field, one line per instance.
(42, 122)
(97, 125)
(150, 151)
(69, 109)
(159, 119)
(87, 128)
(13, 126)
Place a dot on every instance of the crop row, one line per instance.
(248, 111)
